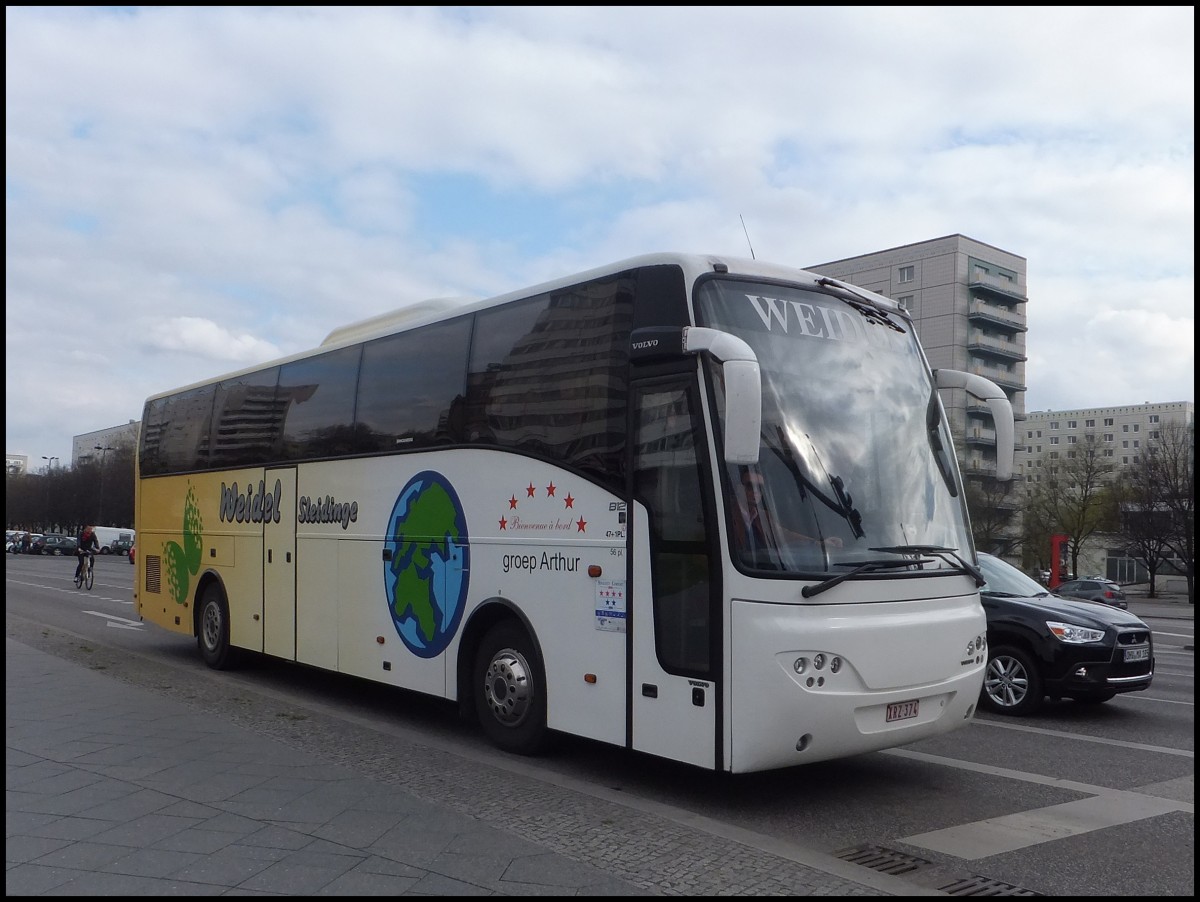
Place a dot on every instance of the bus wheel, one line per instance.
(510, 691)
(213, 635)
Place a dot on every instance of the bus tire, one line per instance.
(212, 629)
(510, 690)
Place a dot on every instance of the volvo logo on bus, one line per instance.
(427, 575)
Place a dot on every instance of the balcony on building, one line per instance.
(981, 436)
(996, 286)
(1001, 377)
(979, 343)
(985, 311)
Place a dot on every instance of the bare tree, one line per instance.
(1074, 496)
(1171, 470)
(993, 511)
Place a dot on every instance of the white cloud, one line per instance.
(211, 187)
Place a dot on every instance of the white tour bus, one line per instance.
(535, 505)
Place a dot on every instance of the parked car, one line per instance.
(1043, 646)
(1101, 590)
(118, 546)
(45, 544)
(60, 545)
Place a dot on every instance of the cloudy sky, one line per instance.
(194, 190)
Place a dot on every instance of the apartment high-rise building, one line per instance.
(968, 301)
(1122, 433)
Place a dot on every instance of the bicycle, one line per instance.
(85, 576)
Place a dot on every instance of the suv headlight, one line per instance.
(1072, 634)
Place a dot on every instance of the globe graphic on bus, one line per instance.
(427, 574)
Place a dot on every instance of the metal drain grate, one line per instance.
(886, 861)
(984, 886)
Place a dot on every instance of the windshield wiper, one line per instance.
(863, 303)
(841, 503)
(862, 567)
(949, 555)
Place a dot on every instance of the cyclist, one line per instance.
(88, 546)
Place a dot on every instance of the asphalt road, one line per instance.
(1076, 800)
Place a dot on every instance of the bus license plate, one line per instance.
(902, 710)
(1137, 654)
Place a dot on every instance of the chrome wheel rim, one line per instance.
(1007, 682)
(507, 689)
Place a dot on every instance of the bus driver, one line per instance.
(757, 535)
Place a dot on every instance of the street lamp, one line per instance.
(103, 449)
(46, 476)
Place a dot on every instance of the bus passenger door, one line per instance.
(675, 693)
(279, 570)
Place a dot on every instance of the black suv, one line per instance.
(1040, 645)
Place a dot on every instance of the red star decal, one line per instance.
(530, 490)
(569, 500)
(582, 524)
(503, 523)
(512, 503)
(550, 490)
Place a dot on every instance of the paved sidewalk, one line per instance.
(115, 789)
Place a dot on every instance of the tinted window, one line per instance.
(175, 432)
(412, 388)
(247, 420)
(317, 394)
(548, 376)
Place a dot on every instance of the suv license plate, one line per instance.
(904, 710)
(1137, 654)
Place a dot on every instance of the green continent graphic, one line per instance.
(421, 534)
(175, 563)
(193, 530)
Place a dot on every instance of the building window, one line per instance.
(1125, 428)
(1153, 418)
(1054, 439)
(1154, 434)
(1089, 424)
(1108, 436)
(1137, 427)
(1136, 443)
(1124, 460)
(1039, 433)
(1125, 444)
(1071, 454)
(1108, 452)
(1072, 424)
(906, 274)
(905, 302)
(1071, 440)
(1054, 424)
(1054, 455)
(1108, 421)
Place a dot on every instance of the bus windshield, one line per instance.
(856, 462)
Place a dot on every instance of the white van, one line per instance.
(110, 536)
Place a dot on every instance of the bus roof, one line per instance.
(422, 312)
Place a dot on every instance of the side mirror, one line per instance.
(1001, 409)
(739, 365)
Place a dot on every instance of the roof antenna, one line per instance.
(751, 246)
